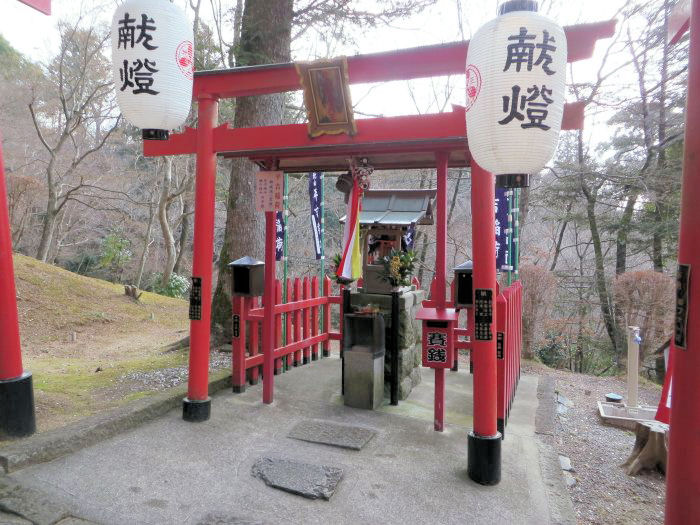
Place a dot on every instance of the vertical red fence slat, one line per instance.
(306, 316)
(288, 323)
(509, 321)
(314, 318)
(278, 326)
(254, 327)
(501, 328)
(327, 316)
(297, 321)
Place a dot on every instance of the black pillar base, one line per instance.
(484, 457)
(17, 416)
(314, 357)
(326, 353)
(196, 411)
(305, 361)
(238, 389)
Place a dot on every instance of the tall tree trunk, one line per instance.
(524, 208)
(47, 228)
(146, 244)
(606, 303)
(657, 238)
(184, 235)
(163, 205)
(560, 237)
(266, 31)
(623, 233)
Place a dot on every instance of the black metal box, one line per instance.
(248, 277)
(464, 285)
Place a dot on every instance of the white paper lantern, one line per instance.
(516, 76)
(152, 61)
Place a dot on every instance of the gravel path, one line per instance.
(163, 378)
(602, 492)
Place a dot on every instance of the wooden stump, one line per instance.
(132, 291)
(650, 448)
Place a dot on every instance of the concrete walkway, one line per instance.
(169, 471)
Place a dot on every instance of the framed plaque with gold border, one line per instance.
(327, 96)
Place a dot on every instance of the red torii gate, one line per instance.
(416, 141)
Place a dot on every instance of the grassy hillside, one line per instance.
(81, 336)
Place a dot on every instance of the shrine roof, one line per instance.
(396, 207)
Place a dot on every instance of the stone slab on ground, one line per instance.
(304, 479)
(21, 505)
(330, 433)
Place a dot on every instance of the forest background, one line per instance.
(599, 226)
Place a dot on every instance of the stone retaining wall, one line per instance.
(410, 334)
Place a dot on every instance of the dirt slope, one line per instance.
(114, 336)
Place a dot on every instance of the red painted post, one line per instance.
(306, 316)
(288, 319)
(279, 363)
(455, 364)
(439, 282)
(11, 354)
(341, 293)
(17, 415)
(269, 310)
(197, 405)
(297, 321)
(327, 316)
(238, 372)
(314, 318)
(683, 476)
(484, 441)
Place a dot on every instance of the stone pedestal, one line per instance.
(410, 334)
(364, 378)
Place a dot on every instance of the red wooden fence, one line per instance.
(300, 316)
(306, 340)
(509, 328)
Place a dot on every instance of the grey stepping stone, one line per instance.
(329, 433)
(565, 463)
(304, 479)
(29, 504)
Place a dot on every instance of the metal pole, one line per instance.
(511, 260)
(683, 475)
(197, 405)
(269, 310)
(485, 441)
(632, 367)
(285, 214)
(17, 417)
(516, 235)
(440, 280)
(325, 350)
